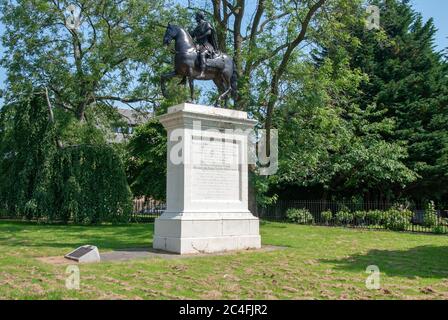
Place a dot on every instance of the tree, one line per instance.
(329, 145)
(27, 149)
(87, 57)
(146, 166)
(407, 82)
(323, 133)
(266, 48)
(39, 179)
(265, 53)
(111, 55)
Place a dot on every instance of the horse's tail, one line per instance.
(234, 82)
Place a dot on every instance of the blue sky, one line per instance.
(437, 9)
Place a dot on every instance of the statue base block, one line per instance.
(207, 200)
(207, 233)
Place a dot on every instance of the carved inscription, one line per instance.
(215, 170)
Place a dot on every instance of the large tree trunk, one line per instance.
(80, 113)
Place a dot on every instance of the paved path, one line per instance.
(146, 253)
(131, 254)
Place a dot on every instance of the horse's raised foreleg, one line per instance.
(164, 78)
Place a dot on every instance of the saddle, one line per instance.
(215, 60)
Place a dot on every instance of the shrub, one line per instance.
(430, 219)
(300, 216)
(360, 216)
(84, 182)
(397, 220)
(93, 186)
(327, 216)
(375, 217)
(440, 229)
(344, 217)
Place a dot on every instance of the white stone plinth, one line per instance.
(207, 182)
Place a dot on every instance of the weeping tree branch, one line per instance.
(51, 116)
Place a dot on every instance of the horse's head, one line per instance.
(170, 34)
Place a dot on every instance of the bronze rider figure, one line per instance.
(205, 37)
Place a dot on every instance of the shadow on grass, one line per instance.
(274, 225)
(106, 237)
(423, 262)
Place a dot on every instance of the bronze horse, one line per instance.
(221, 69)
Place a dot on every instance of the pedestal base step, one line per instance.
(206, 245)
(190, 236)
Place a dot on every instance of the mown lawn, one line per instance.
(319, 263)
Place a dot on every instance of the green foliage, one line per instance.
(92, 186)
(337, 145)
(368, 120)
(327, 216)
(115, 54)
(261, 187)
(39, 180)
(146, 161)
(300, 216)
(344, 217)
(431, 218)
(94, 130)
(397, 220)
(364, 115)
(27, 150)
(375, 217)
(406, 85)
(360, 216)
(439, 229)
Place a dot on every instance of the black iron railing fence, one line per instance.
(397, 216)
(146, 210)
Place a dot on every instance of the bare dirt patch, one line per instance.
(59, 261)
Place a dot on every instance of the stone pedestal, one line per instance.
(207, 182)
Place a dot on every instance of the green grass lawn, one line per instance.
(319, 263)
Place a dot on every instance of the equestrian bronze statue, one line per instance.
(200, 60)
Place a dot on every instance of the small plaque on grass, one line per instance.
(85, 254)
